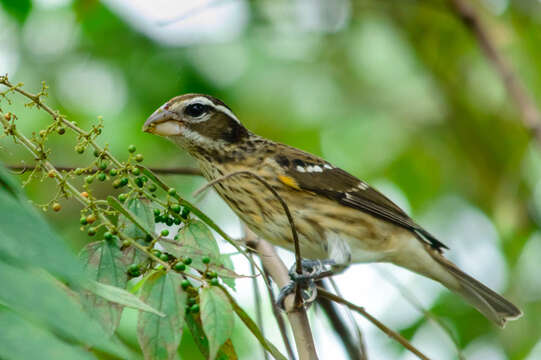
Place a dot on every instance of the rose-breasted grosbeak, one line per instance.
(339, 218)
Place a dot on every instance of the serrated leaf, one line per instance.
(216, 318)
(228, 264)
(197, 235)
(159, 337)
(142, 211)
(106, 264)
(121, 297)
(226, 352)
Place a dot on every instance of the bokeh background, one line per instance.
(397, 92)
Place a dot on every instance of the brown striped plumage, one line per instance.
(337, 216)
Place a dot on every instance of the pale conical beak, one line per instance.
(163, 122)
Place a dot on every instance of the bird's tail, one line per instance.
(492, 305)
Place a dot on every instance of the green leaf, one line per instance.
(226, 352)
(228, 264)
(142, 211)
(28, 239)
(159, 337)
(216, 318)
(105, 263)
(19, 9)
(24, 341)
(121, 297)
(39, 297)
(7, 183)
(252, 326)
(129, 218)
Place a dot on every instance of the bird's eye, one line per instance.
(195, 110)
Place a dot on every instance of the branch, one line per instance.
(355, 348)
(530, 115)
(164, 171)
(296, 315)
(392, 334)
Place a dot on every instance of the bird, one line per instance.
(339, 219)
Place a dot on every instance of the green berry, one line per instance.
(108, 236)
(212, 274)
(132, 148)
(185, 284)
(123, 181)
(144, 178)
(89, 179)
(214, 282)
(165, 232)
(113, 172)
(205, 260)
(185, 213)
(79, 171)
(175, 208)
(148, 238)
(139, 182)
(134, 270)
(125, 244)
(42, 133)
(96, 153)
(194, 308)
(156, 252)
(177, 221)
(156, 212)
(116, 183)
(91, 231)
(169, 221)
(83, 221)
(135, 171)
(102, 177)
(180, 266)
(80, 149)
(164, 257)
(139, 157)
(102, 166)
(191, 301)
(172, 192)
(187, 261)
(152, 188)
(122, 197)
(61, 130)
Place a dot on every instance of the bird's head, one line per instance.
(195, 122)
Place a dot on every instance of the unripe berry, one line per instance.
(61, 130)
(57, 207)
(180, 266)
(185, 284)
(139, 157)
(165, 232)
(205, 260)
(132, 148)
(102, 177)
(91, 218)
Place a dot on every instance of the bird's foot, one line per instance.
(312, 270)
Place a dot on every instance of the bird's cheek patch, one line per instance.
(167, 128)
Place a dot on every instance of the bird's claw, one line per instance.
(311, 270)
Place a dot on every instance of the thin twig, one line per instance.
(257, 303)
(297, 317)
(392, 334)
(412, 299)
(298, 257)
(355, 350)
(163, 171)
(279, 319)
(530, 115)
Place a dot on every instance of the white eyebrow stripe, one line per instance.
(206, 101)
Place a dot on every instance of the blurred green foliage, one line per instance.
(394, 90)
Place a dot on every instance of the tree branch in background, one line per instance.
(297, 317)
(392, 334)
(163, 171)
(530, 115)
(355, 348)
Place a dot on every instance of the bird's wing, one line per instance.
(307, 172)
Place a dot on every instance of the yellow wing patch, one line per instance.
(289, 181)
